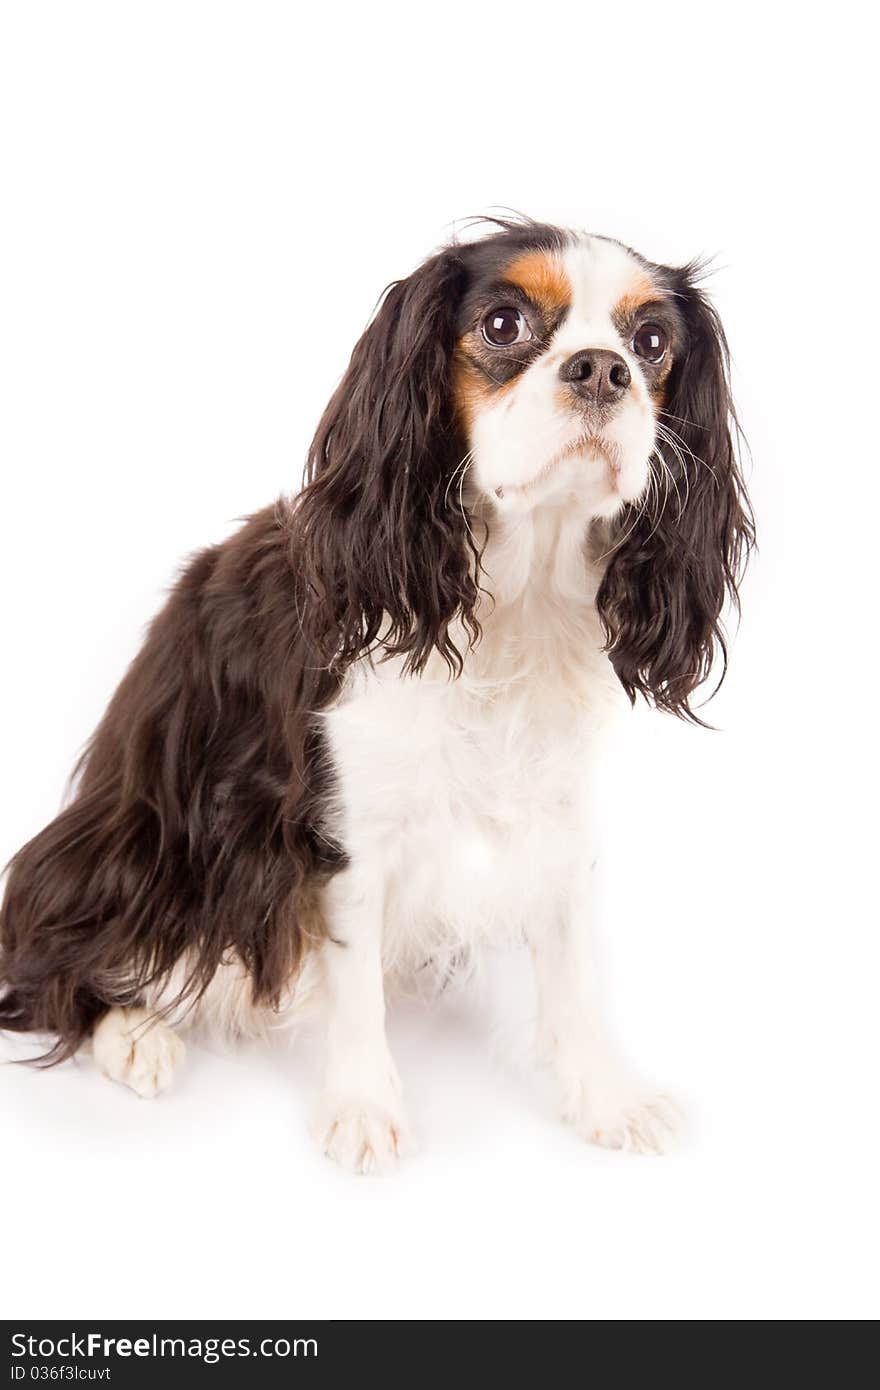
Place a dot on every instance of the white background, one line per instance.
(201, 204)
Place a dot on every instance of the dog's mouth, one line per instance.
(588, 441)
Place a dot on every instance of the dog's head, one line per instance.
(563, 354)
(534, 369)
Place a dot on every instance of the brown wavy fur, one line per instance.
(193, 825)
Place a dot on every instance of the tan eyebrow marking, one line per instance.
(542, 276)
(642, 290)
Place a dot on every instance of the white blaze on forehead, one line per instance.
(601, 274)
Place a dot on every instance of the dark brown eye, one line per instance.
(505, 326)
(650, 342)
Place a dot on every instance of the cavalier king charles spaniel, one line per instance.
(357, 741)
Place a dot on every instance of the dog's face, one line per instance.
(560, 368)
(532, 369)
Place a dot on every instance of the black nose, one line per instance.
(597, 375)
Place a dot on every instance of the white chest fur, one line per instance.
(466, 798)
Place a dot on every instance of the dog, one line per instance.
(357, 741)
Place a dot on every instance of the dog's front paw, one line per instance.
(132, 1046)
(362, 1135)
(620, 1114)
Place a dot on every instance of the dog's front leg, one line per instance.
(360, 1120)
(599, 1096)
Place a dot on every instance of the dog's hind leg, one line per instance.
(136, 1048)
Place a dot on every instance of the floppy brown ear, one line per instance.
(667, 579)
(382, 553)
